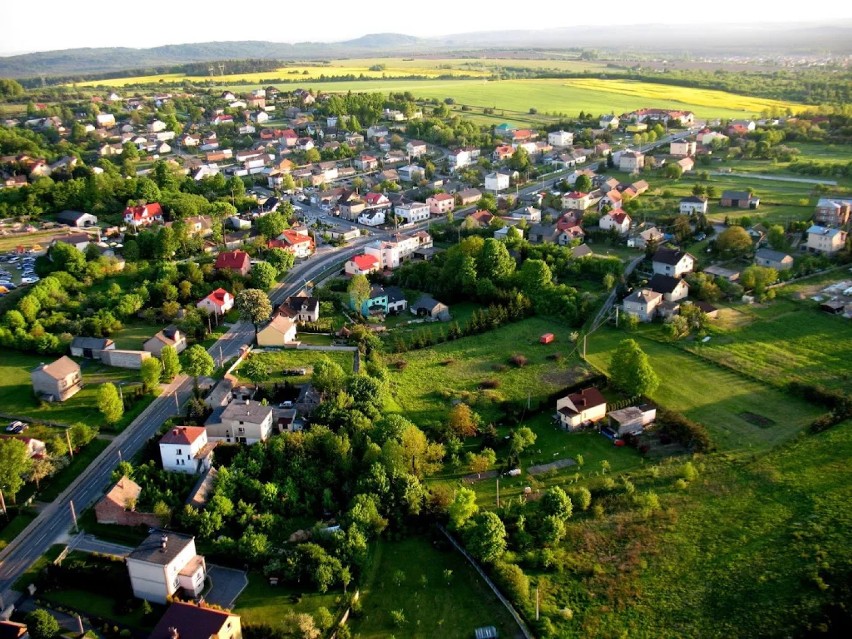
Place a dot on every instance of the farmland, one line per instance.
(714, 396)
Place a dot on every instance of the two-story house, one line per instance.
(234, 261)
(673, 262)
(412, 212)
(575, 200)
(497, 181)
(630, 161)
(825, 240)
(241, 422)
(143, 215)
(672, 289)
(643, 304)
(560, 138)
(301, 308)
(218, 302)
(577, 409)
(833, 211)
(185, 449)
(166, 564)
(693, 204)
(441, 203)
(280, 331)
(192, 621)
(362, 265)
(169, 336)
(58, 380)
(616, 220)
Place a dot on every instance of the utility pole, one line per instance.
(584, 346)
(536, 603)
(74, 516)
(177, 405)
(498, 492)
(3, 506)
(70, 447)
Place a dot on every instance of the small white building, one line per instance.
(693, 204)
(496, 181)
(412, 212)
(632, 420)
(166, 564)
(584, 407)
(185, 449)
(825, 240)
(241, 422)
(560, 138)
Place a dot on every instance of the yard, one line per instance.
(261, 603)
(425, 381)
(410, 576)
(720, 399)
(279, 361)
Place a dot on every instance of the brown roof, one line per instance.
(191, 622)
(584, 399)
(60, 369)
(125, 490)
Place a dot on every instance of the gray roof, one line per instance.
(151, 550)
(663, 283)
(394, 294)
(772, 256)
(426, 302)
(736, 195)
(252, 412)
(95, 343)
(70, 217)
(669, 256)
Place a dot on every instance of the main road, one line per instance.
(56, 519)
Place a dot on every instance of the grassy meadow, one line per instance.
(278, 361)
(261, 603)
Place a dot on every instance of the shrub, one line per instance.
(400, 364)
(512, 581)
(687, 433)
(518, 360)
(489, 383)
(556, 357)
(448, 362)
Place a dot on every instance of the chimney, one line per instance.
(164, 540)
(173, 633)
(175, 431)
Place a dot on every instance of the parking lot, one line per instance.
(16, 270)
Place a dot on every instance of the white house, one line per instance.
(372, 217)
(825, 240)
(415, 148)
(185, 449)
(672, 262)
(643, 304)
(693, 204)
(682, 148)
(584, 407)
(560, 138)
(496, 181)
(528, 213)
(410, 173)
(609, 122)
(458, 159)
(166, 564)
(618, 220)
(218, 302)
(412, 212)
(630, 161)
(576, 200)
(391, 253)
(241, 422)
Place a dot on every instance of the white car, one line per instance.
(30, 280)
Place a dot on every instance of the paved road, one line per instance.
(601, 316)
(55, 519)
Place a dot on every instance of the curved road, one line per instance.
(55, 519)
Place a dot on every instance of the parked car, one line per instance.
(16, 427)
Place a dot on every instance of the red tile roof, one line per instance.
(233, 260)
(365, 262)
(147, 211)
(183, 435)
(442, 197)
(218, 296)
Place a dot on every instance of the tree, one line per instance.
(254, 306)
(673, 171)
(109, 403)
(271, 225)
(198, 362)
(42, 625)
(263, 276)
(758, 278)
(328, 376)
(522, 439)
(534, 276)
(557, 503)
(462, 508)
(734, 241)
(68, 258)
(520, 160)
(255, 369)
(15, 464)
(481, 462)
(282, 260)
(171, 363)
(583, 184)
(151, 371)
(778, 238)
(462, 421)
(494, 261)
(486, 538)
(81, 434)
(358, 291)
(631, 371)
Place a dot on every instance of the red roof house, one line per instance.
(237, 261)
(144, 214)
(362, 265)
(296, 243)
(218, 302)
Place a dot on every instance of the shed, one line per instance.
(486, 632)
(833, 307)
(547, 338)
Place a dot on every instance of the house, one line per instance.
(192, 621)
(686, 164)
(833, 211)
(630, 161)
(672, 288)
(143, 215)
(578, 409)
(118, 506)
(502, 152)
(13, 630)
(682, 148)
(124, 358)
(166, 564)
(375, 304)
(415, 148)
(280, 330)
(344, 233)
(427, 306)
(362, 265)
(79, 241)
(234, 261)
(778, 260)
(105, 120)
(365, 162)
(90, 347)
(301, 245)
(301, 308)
(77, 219)
(185, 449)
(480, 220)
(693, 204)
(610, 121)
(739, 199)
(497, 181)
(396, 300)
(528, 213)
(632, 420)
(170, 336)
(58, 380)
(643, 304)
(611, 199)
(616, 220)
(544, 234)
(35, 448)
(575, 200)
(672, 262)
(218, 302)
(241, 422)
(646, 237)
(467, 197)
(458, 159)
(560, 138)
(412, 212)
(825, 240)
(441, 203)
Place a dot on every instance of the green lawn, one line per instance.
(431, 606)
(89, 603)
(261, 603)
(133, 336)
(278, 361)
(60, 481)
(433, 376)
(405, 324)
(38, 565)
(711, 395)
(12, 528)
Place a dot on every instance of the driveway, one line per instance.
(226, 585)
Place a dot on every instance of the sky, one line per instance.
(61, 25)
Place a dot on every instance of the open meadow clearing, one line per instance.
(279, 361)
(720, 399)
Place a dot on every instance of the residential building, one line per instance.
(166, 564)
(575, 200)
(391, 253)
(396, 299)
(646, 237)
(441, 203)
(170, 336)
(300, 308)
(630, 161)
(234, 261)
(58, 380)
(143, 215)
(560, 138)
(686, 164)
(480, 219)
(365, 162)
(467, 197)
(77, 219)
(825, 240)
(410, 173)
(375, 304)
(833, 211)
(301, 245)
(428, 306)
(372, 217)
(632, 420)
(693, 204)
(362, 265)
(672, 262)
(185, 449)
(616, 220)
(673, 289)
(497, 181)
(610, 121)
(90, 347)
(193, 621)
(528, 213)
(412, 212)
(119, 358)
(458, 159)
(280, 331)
(344, 233)
(581, 408)
(611, 199)
(118, 506)
(778, 260)
(643, 304)
(739, 199)
(682, 148)
(241, 422)
(218, 302)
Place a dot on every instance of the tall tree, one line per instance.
(171, 363)
(328, 376)
(494, 261)
(41, 467)
(263, 276)
(109, 403)
(151, 371)
(462, 421)
(631, 371)
(734, 241)
(486, 538)
(462, 508)
(42, 625)
(271, 225)
(15, 464)
(254, 306)
(199, 363)
(359, 291)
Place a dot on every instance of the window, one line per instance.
(241, 430)
(179, 451)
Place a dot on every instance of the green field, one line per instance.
(431, 607)
(433, 376)
(278, 361)
(261, 603)
(714, 396)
